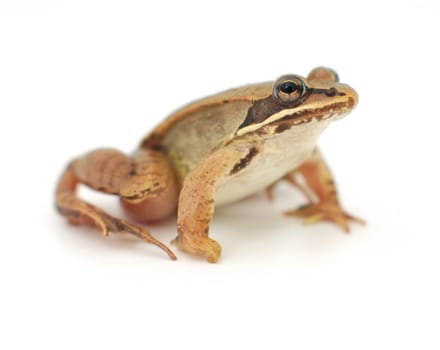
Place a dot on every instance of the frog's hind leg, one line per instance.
(146, 184)
(326, 205)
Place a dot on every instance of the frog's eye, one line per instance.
(289, 89)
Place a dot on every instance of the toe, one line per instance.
(214, 252)
(313, 218)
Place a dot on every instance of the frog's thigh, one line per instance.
(197, 201)
(145, 182)
(151, 192)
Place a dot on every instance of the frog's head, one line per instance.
(294, 100)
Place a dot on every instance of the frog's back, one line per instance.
(194, 131)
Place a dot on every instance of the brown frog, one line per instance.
(215, 151)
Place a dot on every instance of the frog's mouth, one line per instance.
(316, 115)
(288, 118)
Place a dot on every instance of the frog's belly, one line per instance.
(276, 158)
(262, 172)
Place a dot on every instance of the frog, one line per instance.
(215, 151)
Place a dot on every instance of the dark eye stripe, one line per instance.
(261, 110)
(328, 92)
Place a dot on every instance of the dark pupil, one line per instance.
(288, 87)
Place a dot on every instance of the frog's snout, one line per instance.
(349, 94)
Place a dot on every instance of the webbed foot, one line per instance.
(325, 211)
(81, 213)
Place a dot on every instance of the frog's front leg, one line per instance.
(319, 181)
(197, 201)
(145, 182)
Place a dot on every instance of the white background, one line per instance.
(77, 75)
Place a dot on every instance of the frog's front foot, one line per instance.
(325, 211)
(201, 245)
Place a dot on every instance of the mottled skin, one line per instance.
(215, 151)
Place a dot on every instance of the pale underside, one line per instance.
(276, 157)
